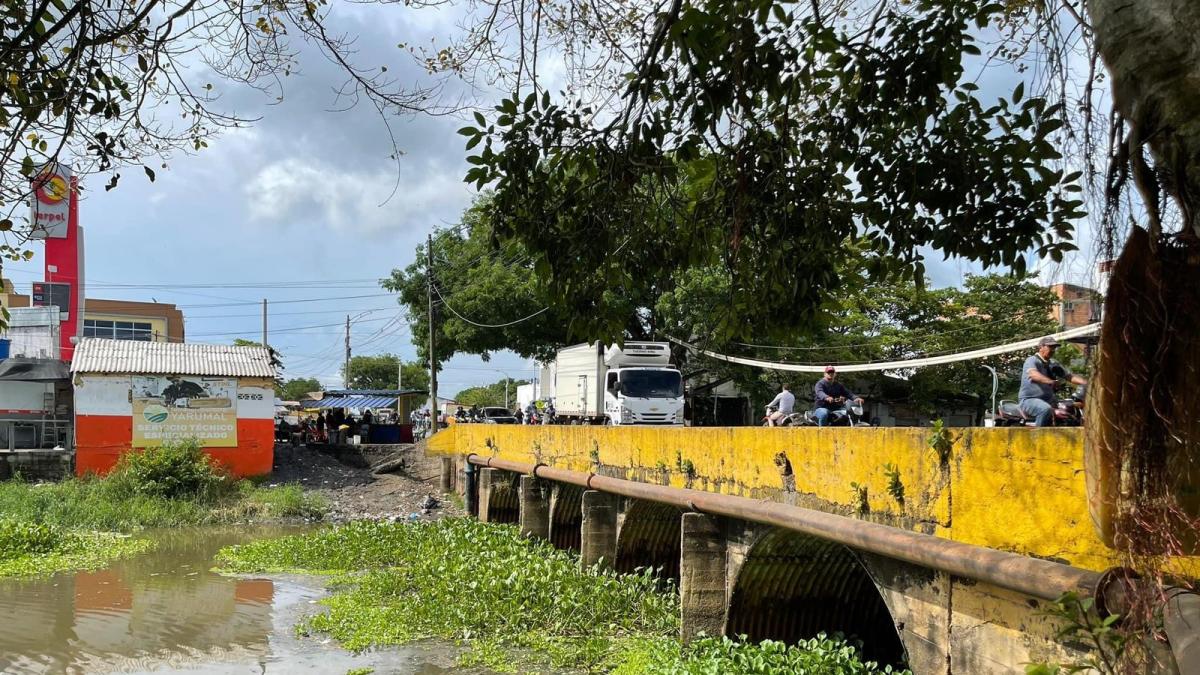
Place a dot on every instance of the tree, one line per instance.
(483, 291)
(771, 198)
(379, 372)
(491, 394)
(297, 388)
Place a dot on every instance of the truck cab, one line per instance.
(640, 386)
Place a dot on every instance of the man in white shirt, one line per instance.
(786, 401)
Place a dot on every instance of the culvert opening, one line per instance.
(649, 537)
(504, 505)
(566, 517)
(792, 587)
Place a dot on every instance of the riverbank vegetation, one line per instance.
(83, 522)
(514, 602)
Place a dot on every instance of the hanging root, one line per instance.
(1143, 436)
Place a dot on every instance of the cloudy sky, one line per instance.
(296, 209)
(301, 196)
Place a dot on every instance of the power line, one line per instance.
(484, 325)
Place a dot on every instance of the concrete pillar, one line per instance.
(488, 480)
(447, 474)
(702, 576)
(598, 529)
(534, 517)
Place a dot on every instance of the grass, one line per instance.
(78, 522)
(515, 602)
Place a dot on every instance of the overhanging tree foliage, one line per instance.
(793, 135)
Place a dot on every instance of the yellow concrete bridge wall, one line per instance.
(1019, 490)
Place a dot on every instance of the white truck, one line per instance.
(634, 384)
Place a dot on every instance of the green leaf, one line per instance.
(1018, 92)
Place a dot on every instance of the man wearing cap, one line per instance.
(829, 394)
(1038, 377)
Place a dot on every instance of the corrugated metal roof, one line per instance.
(358, 402)
(102, 355)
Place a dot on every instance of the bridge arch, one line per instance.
(566, 516)
(649, 537)
(792, 586)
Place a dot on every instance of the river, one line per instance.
(166, 612)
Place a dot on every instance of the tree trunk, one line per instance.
(1143, 435)
(1152, 51)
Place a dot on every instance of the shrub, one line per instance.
(174, 471)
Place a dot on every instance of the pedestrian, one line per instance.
(321, 426)
(520, 417)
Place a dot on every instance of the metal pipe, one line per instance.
(1033, 577)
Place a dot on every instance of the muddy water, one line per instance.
(165, 612)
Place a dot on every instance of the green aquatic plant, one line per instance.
(821, 654)
(516, 603)
(29, 549)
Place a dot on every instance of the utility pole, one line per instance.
(433, 406)
(264, 322)
(399, 372)
(346, 371)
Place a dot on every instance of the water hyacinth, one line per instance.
(514, 601)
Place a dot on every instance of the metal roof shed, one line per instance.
(99, 355)
(131, 395)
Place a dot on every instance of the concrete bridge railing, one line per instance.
(1015, 491)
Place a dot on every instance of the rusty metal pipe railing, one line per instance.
(1033, 577)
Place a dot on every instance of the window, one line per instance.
(118, 330)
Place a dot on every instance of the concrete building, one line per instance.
(1077, 305)
(126, 320)
(136, 394)
(115, 319)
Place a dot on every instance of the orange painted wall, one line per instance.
(100, 440)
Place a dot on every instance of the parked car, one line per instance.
(498, 416)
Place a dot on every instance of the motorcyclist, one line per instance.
(1039, 374)
(460, 415)
(548, 418)
(530, 414)
(829, 395)
(784, 404)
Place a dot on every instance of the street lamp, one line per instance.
(995, 388)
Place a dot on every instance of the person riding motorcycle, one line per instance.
(1039, 374)
(783, 403)
(830, 395)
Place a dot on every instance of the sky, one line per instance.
(299, 209)
(301, 197)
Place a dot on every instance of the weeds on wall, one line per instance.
(941, 441)
(895, 487)
(1108, 646)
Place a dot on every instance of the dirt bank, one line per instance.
(354, 492)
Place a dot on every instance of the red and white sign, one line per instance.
(55, 218)
(54, 192)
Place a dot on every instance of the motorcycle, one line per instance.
(839, 416)
(794, 419)
(1067, 413)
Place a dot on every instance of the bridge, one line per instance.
(941, 550)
